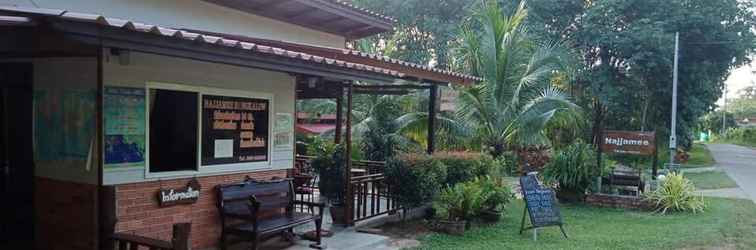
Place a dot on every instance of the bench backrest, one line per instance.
(273, 196)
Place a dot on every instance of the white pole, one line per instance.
(673, 128)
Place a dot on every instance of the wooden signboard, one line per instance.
(234, 130)
(629, 142)
(540, 205)
(175, 196)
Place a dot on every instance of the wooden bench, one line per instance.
(256, 210)
(625, 179)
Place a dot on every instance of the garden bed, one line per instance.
(618, 201)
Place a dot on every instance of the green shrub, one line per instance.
(496, 192)
(464, 166)
(676, 193)
(745, 136)
(573, 168)
(415, 179)
(508, 163)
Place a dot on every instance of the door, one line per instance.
(16, 157)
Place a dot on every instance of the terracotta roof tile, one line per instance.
(168, 32)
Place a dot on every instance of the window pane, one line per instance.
(173, 130)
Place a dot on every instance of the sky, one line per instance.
(739, 79)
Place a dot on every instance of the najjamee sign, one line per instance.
(629, 142)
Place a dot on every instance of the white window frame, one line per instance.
(202, 170)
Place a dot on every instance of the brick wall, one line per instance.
(137, 209)
(65, 214)
(618, 201)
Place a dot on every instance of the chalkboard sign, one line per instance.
(234, 129)
(540, 203)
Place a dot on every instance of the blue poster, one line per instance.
(124, 114)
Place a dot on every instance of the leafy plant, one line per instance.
(496, 193)
(676, 193)
(329, 164)
(518, 100)
(415, 178)
(459, 202)
(467, 200)
(573, 168)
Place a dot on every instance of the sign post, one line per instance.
(630, 143)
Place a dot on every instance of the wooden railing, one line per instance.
(371, 194)
(180, 240)
(372, 197)
(371, 167)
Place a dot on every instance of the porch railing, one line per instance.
(371, 195)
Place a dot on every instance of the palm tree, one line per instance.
(517, 101)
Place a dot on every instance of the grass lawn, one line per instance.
(726, 224)
(711, 180)
(700, 156)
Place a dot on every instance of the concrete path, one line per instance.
(739, 163)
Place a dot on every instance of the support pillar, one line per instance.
(339, 116)
(432, 110)
(348, 197)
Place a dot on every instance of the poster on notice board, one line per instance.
(124, 114)
(234, 130)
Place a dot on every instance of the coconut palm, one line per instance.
(517, 100)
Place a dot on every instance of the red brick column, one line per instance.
(138, 212)
(65, 215)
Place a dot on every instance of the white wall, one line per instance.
(195, 14)
(144, 68)
(61, 82)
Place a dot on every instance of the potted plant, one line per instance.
(456, 204)
(496, 194)
(329, 164)
(573, 169)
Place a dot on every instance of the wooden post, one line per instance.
(432, 107)
(339, 116)
(105, 214)
(181, 236)
(348, 196)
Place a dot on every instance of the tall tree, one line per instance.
(517, 100)
(627, 48)
(427, 28)
(744, 106)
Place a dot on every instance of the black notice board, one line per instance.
(234, 130)
(540, 203)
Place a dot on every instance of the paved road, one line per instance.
(739, 163)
